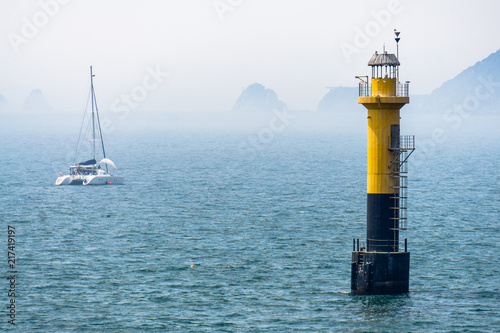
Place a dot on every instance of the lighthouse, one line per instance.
(382, 264)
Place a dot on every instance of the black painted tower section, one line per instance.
(381, 235)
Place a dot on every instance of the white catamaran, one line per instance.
(91, 172)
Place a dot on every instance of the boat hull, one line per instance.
(90, 180)
(70, 180)
(103, 180)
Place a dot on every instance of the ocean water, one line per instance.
(223, 231)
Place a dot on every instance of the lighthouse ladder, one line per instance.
(399, 175)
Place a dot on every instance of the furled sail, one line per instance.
(89, 162)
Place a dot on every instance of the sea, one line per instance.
(244, 228)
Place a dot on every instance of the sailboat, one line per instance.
(91, 172)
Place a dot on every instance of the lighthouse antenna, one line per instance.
(396, 32)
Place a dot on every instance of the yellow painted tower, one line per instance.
(380, 267)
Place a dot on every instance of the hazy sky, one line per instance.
(197, 55)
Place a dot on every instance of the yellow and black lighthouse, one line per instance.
(381, 266)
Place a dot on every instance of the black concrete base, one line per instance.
(379, 273)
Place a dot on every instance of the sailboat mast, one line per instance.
(93, 101)
(96, 110)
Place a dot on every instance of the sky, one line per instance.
(198, 55)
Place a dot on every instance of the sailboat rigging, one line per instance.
(90, 172)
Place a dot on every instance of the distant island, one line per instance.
(339, 99)
(476, 89)
(36, 102)
(257, 98)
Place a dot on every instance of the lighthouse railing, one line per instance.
(365, 89)
(402, 89)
